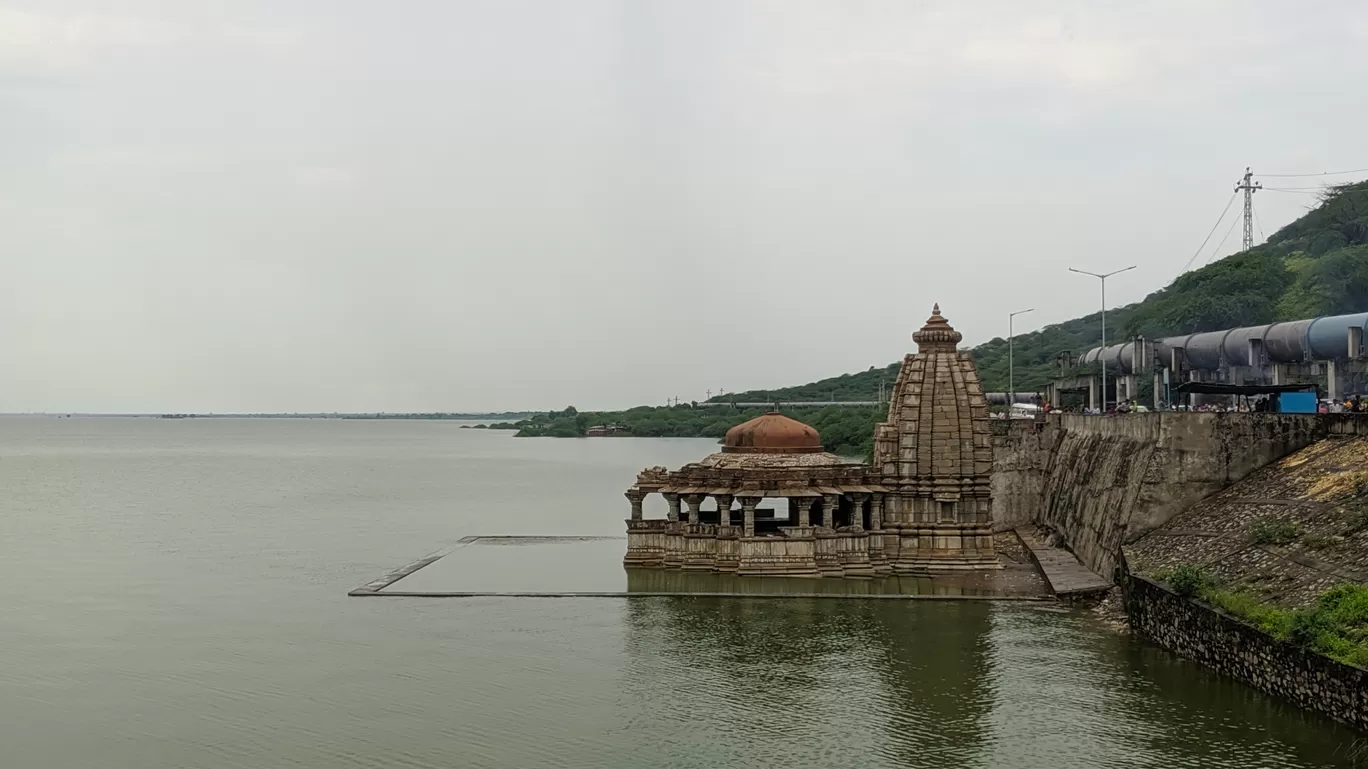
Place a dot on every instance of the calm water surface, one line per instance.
(176, 598)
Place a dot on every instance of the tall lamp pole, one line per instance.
(1102, 351)
(1011, 371)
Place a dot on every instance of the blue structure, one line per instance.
(1297, 403)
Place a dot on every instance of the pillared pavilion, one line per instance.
(923, 506)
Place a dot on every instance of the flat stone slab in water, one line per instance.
(540, 566)
(1065, 575)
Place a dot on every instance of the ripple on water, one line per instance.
(180, 603)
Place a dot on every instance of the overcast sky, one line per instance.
(281, 205)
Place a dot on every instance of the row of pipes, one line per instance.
(1334, 337)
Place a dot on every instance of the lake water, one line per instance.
(176, 597)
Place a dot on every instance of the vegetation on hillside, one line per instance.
(1336, 625)
(845, 431)
(1317, 265)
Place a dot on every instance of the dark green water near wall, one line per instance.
(176, 598)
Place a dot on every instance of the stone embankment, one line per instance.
(1221, 642)
(1102, 482)
(1274, 508)
(1283, 535)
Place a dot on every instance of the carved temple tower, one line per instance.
(936, 455)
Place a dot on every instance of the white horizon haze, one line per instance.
(344, 206)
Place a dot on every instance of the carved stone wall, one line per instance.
(936, 455)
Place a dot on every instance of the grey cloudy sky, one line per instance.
(318, 204)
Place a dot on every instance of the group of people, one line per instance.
(1124, 407)
(1354, 404)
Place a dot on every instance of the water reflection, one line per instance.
(982, 584)
(932, 684)
(938, 672)
(200, 621)
(1204, 716)
(896, 685)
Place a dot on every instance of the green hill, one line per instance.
(1317, 265)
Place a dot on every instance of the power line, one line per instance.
(1259, 224)
(1322, 173)
(1209, 234)
(1295, 191)
(1217, 249)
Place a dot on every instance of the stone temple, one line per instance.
(923, 506)
(935, 454)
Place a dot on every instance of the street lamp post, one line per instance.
(1011, 371)
(1102, 351)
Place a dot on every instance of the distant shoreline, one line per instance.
(455, 416)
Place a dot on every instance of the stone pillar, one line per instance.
(1332, 380)
(878, 555)
(694, 501)
(1092, 392)
(829, 503)
(857, 519)
(804, 505)
(1129, 380)
(748, 505)
(673, 557)
(724, 503)
(700, 542)
(635, 498)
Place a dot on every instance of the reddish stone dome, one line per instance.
(772, 433)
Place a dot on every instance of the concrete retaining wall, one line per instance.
(1219, 641)
(1021, 462)
(1105, 481)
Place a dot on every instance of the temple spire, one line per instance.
(936, 454)
(937, 335)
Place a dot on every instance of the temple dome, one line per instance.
(772, 433)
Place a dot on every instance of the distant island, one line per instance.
(845, 430)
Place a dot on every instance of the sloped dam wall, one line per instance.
(1103, 481)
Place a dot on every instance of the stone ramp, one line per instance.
(1064, 574)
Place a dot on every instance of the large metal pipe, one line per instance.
(1328, 338)
(1297, 341)
(1203, 351)
(1286, 342)
(1235, 348)
(1000, 399)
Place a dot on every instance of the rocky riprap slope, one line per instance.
(1283, 534)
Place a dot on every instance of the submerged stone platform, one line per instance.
(585, 566)
(1066, 576)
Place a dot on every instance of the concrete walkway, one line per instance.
(1065, 575)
